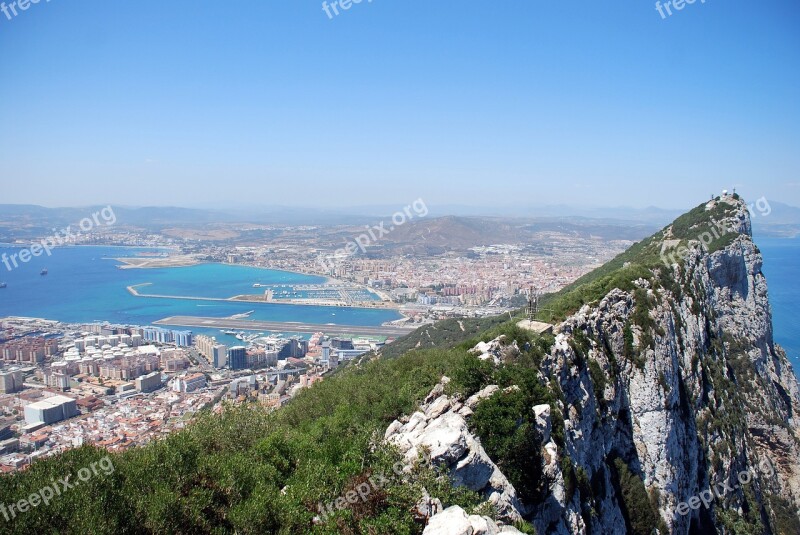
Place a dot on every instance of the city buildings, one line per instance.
(189, 383)
(11, 381)
(219, 356)
(295, 348)
(237, 358)
(56, 379)
(117, 382)
(149, 383)
(50, 410)
(349, 354)
(214, 352)
(261, 358)
(342, 343)
(28, 349)
(167, 336)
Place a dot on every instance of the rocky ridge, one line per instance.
(676, 380)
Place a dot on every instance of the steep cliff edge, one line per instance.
(675, 409)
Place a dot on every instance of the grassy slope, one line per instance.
(642, 260)
(442, 334)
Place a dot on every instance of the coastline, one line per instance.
(132, 265)
(67, 245)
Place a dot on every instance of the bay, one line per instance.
(84, 284)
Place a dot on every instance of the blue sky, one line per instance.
(587, 103)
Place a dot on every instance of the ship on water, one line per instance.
(3, 284)
(43, 272)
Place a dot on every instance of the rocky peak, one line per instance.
(679, 411)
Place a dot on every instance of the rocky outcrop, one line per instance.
(497, 350)
(706, 397)
(678, 380)
(438, 432)
(454, 521)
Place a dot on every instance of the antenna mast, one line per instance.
(533, 303)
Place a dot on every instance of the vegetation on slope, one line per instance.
(643, 260)
(442, 334)
(640, 513)
(505, 422)
(248, 471)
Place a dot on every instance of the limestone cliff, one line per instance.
(677, 411)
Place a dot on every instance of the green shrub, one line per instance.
(504, 423)
(637, 509)
(570, 479)
(598, 381)
(471, 376)
(785, 516)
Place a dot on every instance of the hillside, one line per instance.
(662, 381)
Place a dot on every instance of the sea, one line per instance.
(84, 284)
(782, 268)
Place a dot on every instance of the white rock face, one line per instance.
(451, 521)
(444, 434)
(454, 521)
(543, 423)
(496, 350)
(651, 415)
(487, 392)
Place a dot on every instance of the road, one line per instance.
(282, 327)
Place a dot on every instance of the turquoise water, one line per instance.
(782, 267)
(84, 285)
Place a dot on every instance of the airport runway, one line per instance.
(282, 326)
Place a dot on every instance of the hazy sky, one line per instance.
(522, 101)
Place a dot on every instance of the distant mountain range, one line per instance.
(21, 221)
